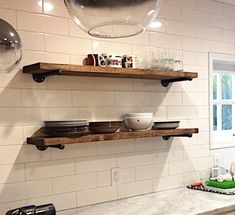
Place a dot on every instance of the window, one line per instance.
(222, 100)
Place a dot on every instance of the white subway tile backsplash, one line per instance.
(170, 12)
(25, 190)
(75, 151)
(9, 16)
(81, 173)
(168, 99)
(195, 99)
(180, 28)
(46, 98)
(182, 3)
(151, 171)
(28, 153)
(73, 183)
(32, 40)
(168, 182)
(10, 97)
(134, 189)
(98, 195)
(26, 5)
(149, 144)
(104, 178)
(94, 164)
(115, 147)
(165, 41)
(186, 112)
(9, 150)
(141, 99)
(70, 83)
(193, 44)
(127, 175)
(209, 33)
(103, 46)
(228, 36)
(70, 113)
(228, 10)
(209, 6)
(58, 8)
(222, 47)
(11, 135)
(30, 57)
(12, 173)
(112, 84)
(71, 45)
(49, 169)
(222, 22)
(131, 160)
(164, 156)
(195, 16)
(92, 98)
(42, 23)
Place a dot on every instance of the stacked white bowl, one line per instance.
(139, 121)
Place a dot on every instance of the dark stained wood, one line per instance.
(40, 139)
(96, 71)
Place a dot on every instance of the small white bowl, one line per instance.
(138, 123)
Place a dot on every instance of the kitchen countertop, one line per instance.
(180, 201)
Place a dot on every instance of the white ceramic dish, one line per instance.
(147, 115)
(166, 125)
(138, 123)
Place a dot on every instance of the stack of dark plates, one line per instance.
(104, 127)
(66, 128)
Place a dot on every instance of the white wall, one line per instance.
(80, 174)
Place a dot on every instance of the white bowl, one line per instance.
(138, 123)
(147, 115)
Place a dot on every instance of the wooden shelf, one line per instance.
(41, 70)
(42, 141)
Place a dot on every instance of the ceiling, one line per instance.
(232, 2)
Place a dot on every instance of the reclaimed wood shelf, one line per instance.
(39, 72)
(42, 141)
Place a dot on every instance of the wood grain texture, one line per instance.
(96, 71)
(40, 139)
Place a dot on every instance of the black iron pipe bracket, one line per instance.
(165, 83)
(40, 77)
(44, 148)
(167, 137)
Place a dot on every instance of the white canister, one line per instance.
(215, 172)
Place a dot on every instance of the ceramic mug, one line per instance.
(103, 60)
(92, 60)
(114, 61)
(131, 61)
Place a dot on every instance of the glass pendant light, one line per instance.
(10, 47)
(113, 18)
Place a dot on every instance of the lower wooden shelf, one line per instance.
(42, 141)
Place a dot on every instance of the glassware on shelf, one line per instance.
(168, 60)
(179, 61)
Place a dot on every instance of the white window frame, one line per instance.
(220, 139)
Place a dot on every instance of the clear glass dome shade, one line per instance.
(10, 47)
(113, 18)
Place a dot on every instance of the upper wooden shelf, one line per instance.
(41, 70)
(42, 141)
